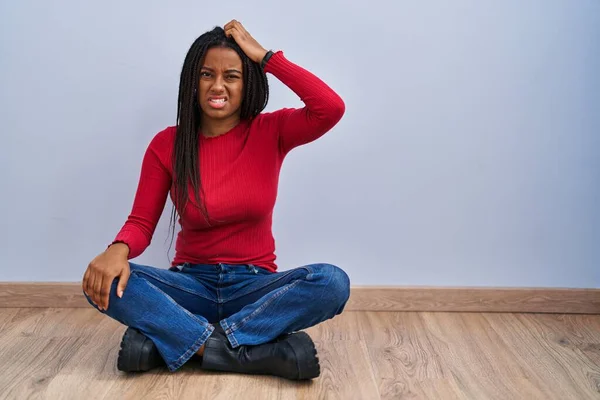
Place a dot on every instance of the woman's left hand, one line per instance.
(247, 43)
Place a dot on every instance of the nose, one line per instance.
(218, 85)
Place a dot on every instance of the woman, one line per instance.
(223, 299)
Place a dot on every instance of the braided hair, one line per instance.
(185, 149)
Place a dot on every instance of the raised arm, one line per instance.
(323, 107)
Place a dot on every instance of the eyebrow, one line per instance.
(229, 70)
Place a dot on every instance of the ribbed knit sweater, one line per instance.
(239, 173)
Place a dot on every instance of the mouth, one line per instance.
(217, 102)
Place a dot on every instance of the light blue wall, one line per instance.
(469, 153)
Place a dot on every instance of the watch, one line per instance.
(265, 59)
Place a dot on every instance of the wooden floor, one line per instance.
(70, 353)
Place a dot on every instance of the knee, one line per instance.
(89, 300)
(113, 287)
(112, 295)
(338, 285)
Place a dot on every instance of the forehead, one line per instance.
(222, 58)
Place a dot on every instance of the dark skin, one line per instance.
(220, 91)
(220, 80)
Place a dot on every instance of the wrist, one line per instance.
(266, 57)
(119, 248)
(261, 55)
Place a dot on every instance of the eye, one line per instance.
(233, 77)
(205, 74)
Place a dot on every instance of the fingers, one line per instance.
(97, 286)
(228, 28)
(233, 24)
(234, 28)
(90, 288)
(234, 31)
(98, 289)
(105, 292)
(123, 279)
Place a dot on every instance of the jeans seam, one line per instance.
(261, 308)
(198, 343)
(168, 283)
(233, 339)
(282, 276)
(218, 290)
(176, 303)
(193, 349)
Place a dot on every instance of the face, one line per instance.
(220, 87)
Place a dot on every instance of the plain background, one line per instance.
(469, 153)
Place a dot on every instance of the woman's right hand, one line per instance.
(101, 272)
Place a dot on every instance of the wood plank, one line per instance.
(29, 364)
(224, 386)
(23, 322)
(191, 382)
(93, 368)
(580, 334)
(72, 353)
(402, 359)
(474, 299)
(6, 315)
(343, 364)
(475, 358)
(42, 294)
(575, 345)
(341, 327)
(500, 353)
(527, 350)
(52, 322)
(373, 298)
(345, 372)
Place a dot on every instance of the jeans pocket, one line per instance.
(262, 271)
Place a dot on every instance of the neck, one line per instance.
(211, 128)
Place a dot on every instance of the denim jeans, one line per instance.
(175, 307)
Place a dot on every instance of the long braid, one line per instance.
(185, 150)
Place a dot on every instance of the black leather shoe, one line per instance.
(292, 356)
(138, 353)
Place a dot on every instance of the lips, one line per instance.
(217, 102)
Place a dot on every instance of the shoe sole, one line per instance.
(131, 351)
(306, 354)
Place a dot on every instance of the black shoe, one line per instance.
(138, 353)
(292, 356)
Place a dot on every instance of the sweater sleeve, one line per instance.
(149, 202)
(322, 111)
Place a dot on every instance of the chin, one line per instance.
(219, 114)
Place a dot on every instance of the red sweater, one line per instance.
(240, 174)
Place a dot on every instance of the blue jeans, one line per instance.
(175, 307)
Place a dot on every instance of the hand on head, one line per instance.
(246, 42)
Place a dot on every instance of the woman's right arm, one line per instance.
(150, 198)
(136, 234)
